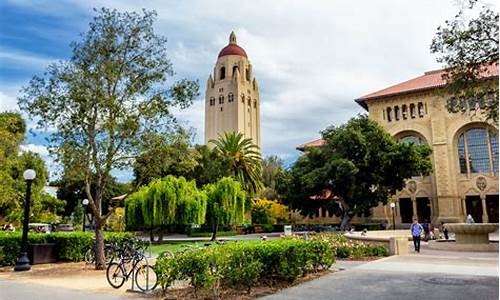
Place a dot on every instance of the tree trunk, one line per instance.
(100, 260)
(160, 235)
(151, 235)
(214, 232)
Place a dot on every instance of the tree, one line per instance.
(166, 201)
(359, 167)
(226, 204)
(269, 212)
(244, 159)
(272, 167)
(210, 167)
(468, 48)
(165, 155)
(105, 99)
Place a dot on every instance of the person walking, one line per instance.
(416, 230)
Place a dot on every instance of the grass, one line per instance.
(175, 246)
(209, 234)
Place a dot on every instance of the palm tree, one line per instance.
(244, 158)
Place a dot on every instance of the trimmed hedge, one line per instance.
(345, 248)
(244, 264)
(70, 246)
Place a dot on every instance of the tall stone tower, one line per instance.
(232, 97)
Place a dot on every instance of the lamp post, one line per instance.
(23, 263)
(393, 207)
(85, 202)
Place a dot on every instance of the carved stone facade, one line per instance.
(461, 183)
(232, 101)
(464, 156)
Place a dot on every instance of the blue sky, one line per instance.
(311, 58)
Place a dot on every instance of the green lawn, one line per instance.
(175, 246)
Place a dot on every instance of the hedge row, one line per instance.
(244, 264)
(70, 246)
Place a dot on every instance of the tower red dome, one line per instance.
(232, 48)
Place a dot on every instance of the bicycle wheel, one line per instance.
(115, 275)
(145, 278)
(89, 257)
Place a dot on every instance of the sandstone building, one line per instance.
(232, 97)
(465, 153)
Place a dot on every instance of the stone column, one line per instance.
(414, 206)
(464, 208)
(485, 211)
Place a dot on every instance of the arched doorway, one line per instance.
(474, 207)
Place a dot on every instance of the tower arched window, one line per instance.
(478, 151)
(396, 113)
(212, 101)
(389, 114)
(255, 103)
(234, 69)
(242, 98)
(222, 73)
(248, 74)
(249, 101)
(221, 99)
(230, 97)
(412, 139)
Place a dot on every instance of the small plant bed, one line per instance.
(347, 249)
(242, 268)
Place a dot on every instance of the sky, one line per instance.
(311, 58)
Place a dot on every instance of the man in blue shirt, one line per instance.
(416, 230)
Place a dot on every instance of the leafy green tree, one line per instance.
(244, 159)
(210, 168)
(360, 166)
(468, 46)
(166, 201)
(272, 167)
(105, 99)
(165, 155)
(226, 204)
(12, 131)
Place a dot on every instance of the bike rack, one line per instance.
(132, 286)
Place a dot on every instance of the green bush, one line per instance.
(70, 246)
(244, 264)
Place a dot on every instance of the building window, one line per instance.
(404, 111)
(412, 111)
(221, 99)
(235, 68)
(255, 103)
(221, 108)
(412, 139)
(212, 101)
(221, 90)
(248, 74)
(421, 111)
(222, 73)
(389, 114)
(396, 113)
(249, 101)
(478, 151)
(242, 98)
(230, 97)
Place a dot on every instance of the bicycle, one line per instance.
(109, 253)
(145, 276)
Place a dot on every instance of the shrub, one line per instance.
(70, 246)
(244, 264)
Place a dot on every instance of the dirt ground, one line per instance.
(66, 275)
(81, 277)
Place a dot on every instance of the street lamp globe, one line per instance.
(29, 174)
(85, 201)
(393, 204)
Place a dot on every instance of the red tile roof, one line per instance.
(232, 49)
(315, 143)
(429, 80)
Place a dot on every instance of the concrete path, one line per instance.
(12, 290)
(428, 275)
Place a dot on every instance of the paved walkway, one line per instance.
(428, 275)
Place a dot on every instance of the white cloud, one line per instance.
(40, 149)
(312, 59)
(8, 102)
